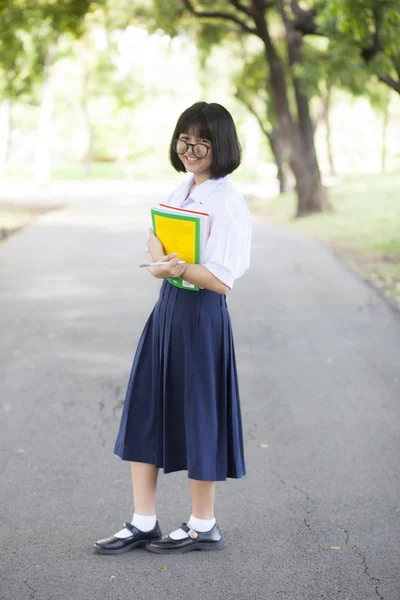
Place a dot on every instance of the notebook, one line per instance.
(183, 231)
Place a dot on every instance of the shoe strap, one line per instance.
(131, 527)
(191, 532)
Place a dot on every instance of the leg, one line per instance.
(144, 485)
(203, 495)
(144, 526)
(201, 531)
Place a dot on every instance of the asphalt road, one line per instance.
(318, 354)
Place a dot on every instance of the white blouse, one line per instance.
(228, 247)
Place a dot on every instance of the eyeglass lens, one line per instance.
(199, 150)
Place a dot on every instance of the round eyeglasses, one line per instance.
(199, 150)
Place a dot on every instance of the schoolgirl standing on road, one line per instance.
(182, 408)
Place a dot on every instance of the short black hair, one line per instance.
(213, 122)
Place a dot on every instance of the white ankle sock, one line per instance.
(142, 522)
(202, 525)
(196, 524)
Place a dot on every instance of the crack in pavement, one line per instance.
(117, 407)
(308, 512)
(6, 460)
(307, 508)
(374, 580)
(105, 418)
(33, 591)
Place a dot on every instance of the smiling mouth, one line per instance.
(191, 158)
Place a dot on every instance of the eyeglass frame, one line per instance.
(191, 145)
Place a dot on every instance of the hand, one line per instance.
(154, 246)
(172, 270)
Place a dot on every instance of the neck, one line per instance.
(198, 179)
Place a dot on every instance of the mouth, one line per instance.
(191, 158)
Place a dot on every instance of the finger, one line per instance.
(170, 257)
(177, 271)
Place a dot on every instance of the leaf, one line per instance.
(162, 569)
(329, 361)
(335, 548)
(263, 445)
(112, 577)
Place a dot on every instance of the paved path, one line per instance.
(318, 353)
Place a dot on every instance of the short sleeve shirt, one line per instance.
(227, 253)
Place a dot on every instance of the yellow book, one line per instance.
(182, 231)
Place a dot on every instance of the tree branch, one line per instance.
(395, 85)
(297, 11)
(304, 20)
(251, 109)
(219, 15)
(244, 9)
(372, 50)
(261, 5)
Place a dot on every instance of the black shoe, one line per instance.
(114, 545)
(197, 540)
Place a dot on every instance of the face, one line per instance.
(198, 166)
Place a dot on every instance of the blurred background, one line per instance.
(90, 91)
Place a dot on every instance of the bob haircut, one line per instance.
(212, 122)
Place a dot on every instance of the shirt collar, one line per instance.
(201, 192)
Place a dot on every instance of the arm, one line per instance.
(201, 276)
(195, 274)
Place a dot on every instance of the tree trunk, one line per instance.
(384, 134)
(298, 139)
(276, 143)
(275, 140)
(327, 119)
(43, 148)
(312, 194)
(89, 127)
(5, 128)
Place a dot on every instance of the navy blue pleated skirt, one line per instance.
(182, 408)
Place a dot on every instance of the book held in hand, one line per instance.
(182, 231)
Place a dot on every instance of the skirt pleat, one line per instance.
(182, 406)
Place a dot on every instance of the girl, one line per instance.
(182, 409)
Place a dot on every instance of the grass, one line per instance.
(363, 228)
(14, 217)
(101, 171)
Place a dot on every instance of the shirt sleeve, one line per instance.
(228, 247)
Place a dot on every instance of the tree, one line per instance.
(26, 26)
(29, 33)
(363, 48)
(366, 32)
(260, 19)
(104, 84)
(251, 91)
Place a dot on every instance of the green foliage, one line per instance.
(251, 83)
(107, 94)
(367, 32)
(363, 228)
(167, 16)
(28, 29)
